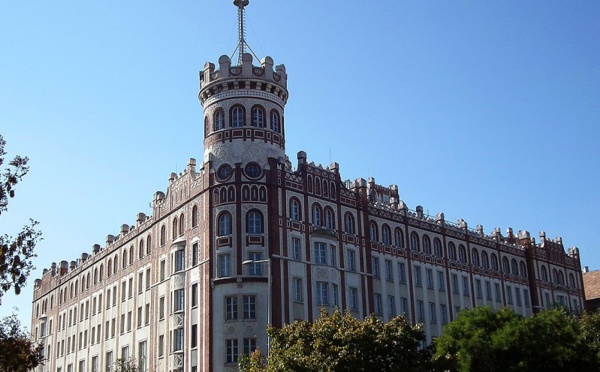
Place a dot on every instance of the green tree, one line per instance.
(18, 353)
(15, 253)
(126, 365)
(340, 342)
(482, 339)
(590, 333)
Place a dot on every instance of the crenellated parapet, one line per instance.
(264, 80)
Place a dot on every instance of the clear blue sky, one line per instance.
(486, 111)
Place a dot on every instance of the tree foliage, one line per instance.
(126, 365)
(18, 353)
(340, 342)
(15, 253)
(482, 339)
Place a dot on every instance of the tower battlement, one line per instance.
(266, 77)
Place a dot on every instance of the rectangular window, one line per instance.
(106, 328)
(444, 313)
(231, 350)
(147, 314)
(162, 270)
(441, 281)
(195, 254)
(298, 290)
(466, 291)
(378, 305)
(322, 295)
(548, 302)
(99, 301)
(148, 279)
(375, 266)
(122, 323)
(334, 294)
(429, 274)
(114, 296)
(224, 265)
(130, 293)
(353, 298)
(454, 283)
(82, 366)
(195, 295)
(95, 364)
(420, 311)
(161, 308)
(109, 360)
(161, 345)
(140, 282)
(194, 335)
(178, 339)
(478, 290)
(526, 297)
(296, 249)
(113, 327)
(488, 291)
(93, 338)
(231, 307)
(509, 297)
(178, 300)
(391, 306)
(518, 296)
(125, 352)
(99, 333)
(497, 290)
(321, 253)
(432, 312)
(255, 267)
(404, 306)
(402, 272)
(249, 345)
(108, 299)
(249, 303)
(94, 306)
(418, 279)
(123, 291)
(351, 260)
(139, 317)
(456, 310)
(332, 256)
(389, 271)
(142, 356)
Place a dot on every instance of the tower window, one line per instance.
(275, 125)
(225, 224)
(237, 117)
(219, 122)
(254, 223)
(258, 117)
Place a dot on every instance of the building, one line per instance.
(591, 285)
(246, 238)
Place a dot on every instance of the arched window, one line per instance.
(237, 117)
(426, 245)
(149, 245)
(414, 242)
(485, 262)
(219, 120)
(514, 267)
(254, 193)
(194, 216)
(373, 231)
(462, 253)
(329, 219)
(174, 230)
(109, 268)
(523, 269)
(561, 278)
(544, 274)
(95, 276)
(437, 247)
(225, 224)
(141, 249)
(317, 186)
(116, 264)
(475, 258)
(181, 224)
(163, 235)
(295, 209)
(317, 215)
(124, 258)
(275, 125)
(87, 281)
(349, 225)
(398, 238)
(254, 222)
(571, 283)
(325, 188)
(494, 262)
(131, 255)
(451, 251)
(231, 193)
(258, 117)
(505, 266)
(386, 234)
(101, 276)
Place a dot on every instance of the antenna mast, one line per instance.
(241, 4)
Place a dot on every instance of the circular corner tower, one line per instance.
(243, 111)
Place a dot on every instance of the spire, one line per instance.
(241, 4)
